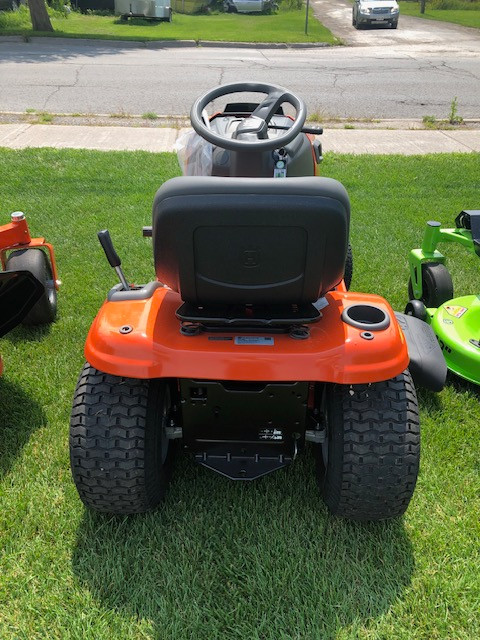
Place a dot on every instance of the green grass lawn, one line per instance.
(224, 560)
(467, 18)
(283, 26)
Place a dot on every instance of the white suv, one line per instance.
(375, 12)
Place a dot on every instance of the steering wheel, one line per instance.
(257, 122)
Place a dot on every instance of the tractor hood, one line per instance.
(19, 292)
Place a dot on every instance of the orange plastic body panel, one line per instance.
(16, 235)
(334, 352)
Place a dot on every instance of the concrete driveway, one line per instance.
(417, 33)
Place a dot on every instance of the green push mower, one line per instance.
(455, 321)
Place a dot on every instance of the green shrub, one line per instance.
(290, 5)
(15, 19)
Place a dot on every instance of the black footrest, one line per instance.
(243, 461)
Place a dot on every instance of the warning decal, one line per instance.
(456, 312)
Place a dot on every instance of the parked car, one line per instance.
(249, 6)
(375, 12)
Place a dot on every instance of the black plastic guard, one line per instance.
(427, 364)
(470, 219)
(19, 292)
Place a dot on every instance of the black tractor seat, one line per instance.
(256, 251)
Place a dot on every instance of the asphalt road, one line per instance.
(410, 72)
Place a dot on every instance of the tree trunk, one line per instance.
(39, 16)
(422, 5)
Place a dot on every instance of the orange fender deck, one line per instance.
(155, 348)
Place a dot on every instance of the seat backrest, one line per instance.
(250, 240)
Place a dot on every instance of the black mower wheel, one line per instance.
(36, 261)
(368, 467)
(348, 274)
(119, 452)
(437, 285)
(416, 308)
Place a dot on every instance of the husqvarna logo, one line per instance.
(250, 258)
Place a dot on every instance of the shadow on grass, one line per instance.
(22, 334)
(19, 417)
(461, 385)
(138, 22)
(243, 560)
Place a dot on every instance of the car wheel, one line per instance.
(394, 24)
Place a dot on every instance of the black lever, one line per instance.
(112, 256)
(315, 130)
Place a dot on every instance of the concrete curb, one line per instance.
(12, 39)
(164, 44)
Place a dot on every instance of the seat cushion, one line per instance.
(250, 240)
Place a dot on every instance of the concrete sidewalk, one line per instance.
(117, 138)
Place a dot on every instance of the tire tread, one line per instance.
(375, 463)
(109, 428)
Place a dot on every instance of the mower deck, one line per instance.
(457, 327)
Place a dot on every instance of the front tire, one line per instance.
(119, 452)
(36, 261)
(368, 467)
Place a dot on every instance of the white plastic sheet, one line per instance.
(194, 154)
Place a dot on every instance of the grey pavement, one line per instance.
(115, 138)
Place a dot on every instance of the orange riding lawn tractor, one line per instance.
(247, 345)
(29, 280)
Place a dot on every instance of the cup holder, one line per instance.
(366, 317)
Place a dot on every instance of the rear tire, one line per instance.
(36, 261)
(120, 455)
(437, 285)
(368, 467)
